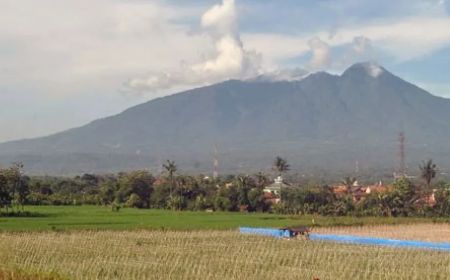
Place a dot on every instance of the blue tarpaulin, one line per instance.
(281, 233)
(380, 241)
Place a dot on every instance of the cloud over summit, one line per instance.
(229, 60)
(79, 52)
(321, 56)
(260, 52)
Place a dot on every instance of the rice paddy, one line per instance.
(208, 255)
(94, 243)
(59, 218)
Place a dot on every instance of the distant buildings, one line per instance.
(359, 192)
(272, 193)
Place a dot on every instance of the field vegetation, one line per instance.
(137, 226)
(59, 218)
(209, 255)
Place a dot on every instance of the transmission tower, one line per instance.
(401, 154)
(356, 167)
(216, 163)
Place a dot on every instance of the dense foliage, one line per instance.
(141, 189)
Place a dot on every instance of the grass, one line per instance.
(58, 218)
(89, 242)
(209, 255)
(17, 274)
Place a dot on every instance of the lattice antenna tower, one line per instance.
(216, 163)
(401, 154)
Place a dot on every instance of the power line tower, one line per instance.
(356, 167)
(160, 165)
(401, 154)
(216, 163)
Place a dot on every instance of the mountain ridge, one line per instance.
(329, 119)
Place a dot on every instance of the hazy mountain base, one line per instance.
(311, 162)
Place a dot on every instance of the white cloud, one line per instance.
(221, 18)
(374, 69)
(402, 40)
(276, 47)
(405, 39)
(230, 59)
(69, 47)
(321, 57)
(359, 49)
(63, 62)
(362, 45)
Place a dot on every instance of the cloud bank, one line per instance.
(229, 60)
(227, 56)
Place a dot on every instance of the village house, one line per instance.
(359, 192)
(272, 193)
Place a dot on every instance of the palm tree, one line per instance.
(348, 182)
(244, 183)
(428, 171)
(280, 165)
(171, 168)
(261, 180)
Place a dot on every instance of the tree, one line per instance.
(256, 200)
(227, 198)
(442, 207)
(176, 202)
(244, 184)
(348, 182)
(22, 191)
(170, 168)
(399, 202)
(139, 183)
(428, 171)
(261, 180)
(280, 165)
(14, 174)
(108, 190)
(222, 203)
(134, 201)
(405, 195)
(5, 198)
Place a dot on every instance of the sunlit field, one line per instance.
(208, 255)
(88, 242)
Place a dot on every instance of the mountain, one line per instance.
(319, 121)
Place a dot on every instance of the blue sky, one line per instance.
(65, 63)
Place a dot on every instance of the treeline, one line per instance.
(404, 199)
(138, 189)
(171, 190)
(14, 188)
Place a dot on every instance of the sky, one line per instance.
(66, 63)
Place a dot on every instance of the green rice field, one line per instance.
(45, 218)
